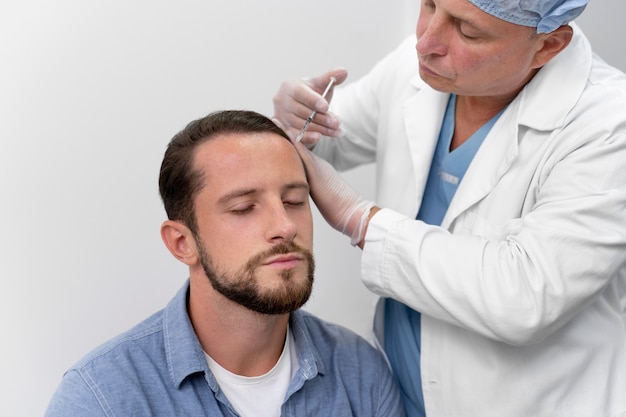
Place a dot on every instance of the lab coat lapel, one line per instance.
(491, 162)
(423, 115)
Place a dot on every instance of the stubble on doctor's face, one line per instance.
(243, 287)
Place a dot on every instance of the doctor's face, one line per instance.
(463, 50)
(255, 228)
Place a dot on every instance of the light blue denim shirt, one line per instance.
(158, 368)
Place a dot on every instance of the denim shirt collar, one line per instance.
(310, 362)
(185, 355)
(182, 348)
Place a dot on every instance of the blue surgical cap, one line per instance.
(545, 15)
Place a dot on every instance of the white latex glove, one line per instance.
(341, 206)
(297, 98)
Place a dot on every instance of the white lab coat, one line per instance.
(523, 289)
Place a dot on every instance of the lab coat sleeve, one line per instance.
(521, 281)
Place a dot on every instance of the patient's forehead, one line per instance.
(248, 157)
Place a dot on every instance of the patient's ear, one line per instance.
(179, 241)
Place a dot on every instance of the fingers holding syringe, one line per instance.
(297, 98)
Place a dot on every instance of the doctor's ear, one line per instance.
(552, 44)
(179, 241)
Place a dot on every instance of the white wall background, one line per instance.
(90, 94)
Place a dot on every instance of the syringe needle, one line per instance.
(312, 115)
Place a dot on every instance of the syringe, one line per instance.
(310, 119)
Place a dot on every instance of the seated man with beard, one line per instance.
(233, 341)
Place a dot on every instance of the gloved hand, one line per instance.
(341, 206)
(296, 99)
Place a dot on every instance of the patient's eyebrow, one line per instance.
(295, 185)
(236, 194)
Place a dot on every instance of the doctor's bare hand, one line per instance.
(297, 98)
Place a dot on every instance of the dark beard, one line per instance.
(243, 287)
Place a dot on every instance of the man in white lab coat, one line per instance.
(500, 248)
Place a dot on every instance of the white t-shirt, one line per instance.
(259, 396)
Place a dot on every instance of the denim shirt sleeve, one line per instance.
(75, 398)
(389, 401)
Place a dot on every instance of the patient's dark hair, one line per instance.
(178, 181)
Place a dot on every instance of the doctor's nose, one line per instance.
(432, 38)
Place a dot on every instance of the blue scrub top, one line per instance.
(402, 323)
